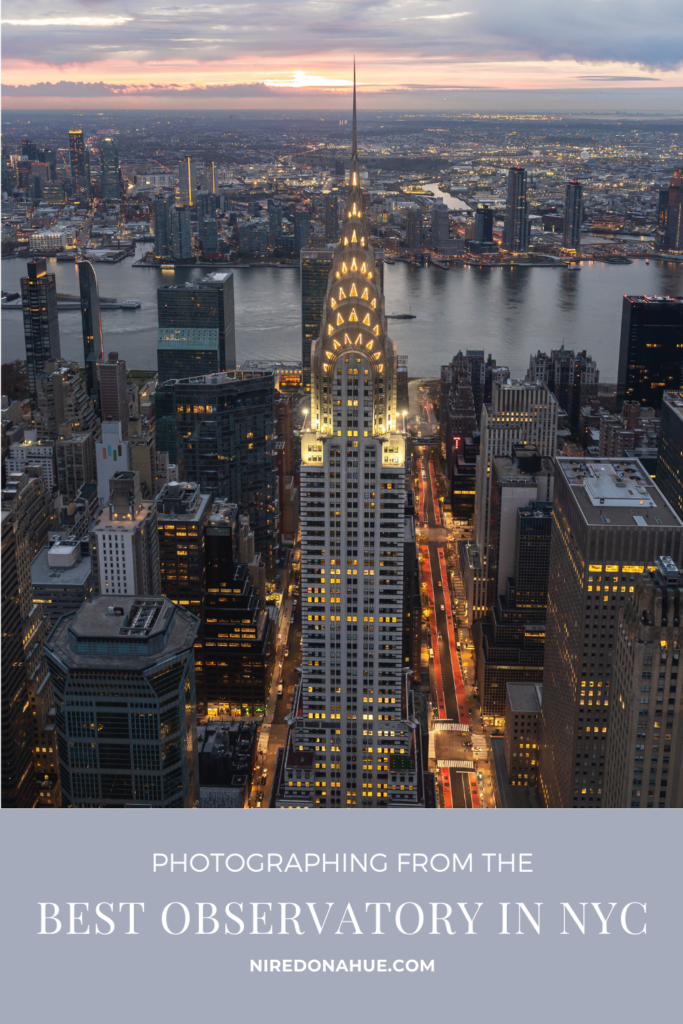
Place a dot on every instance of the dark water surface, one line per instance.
(509, 312)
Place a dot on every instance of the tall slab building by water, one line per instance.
(353, 738)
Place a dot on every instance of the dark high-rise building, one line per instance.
(182, 514)
(670, 462)
(196, 327)
(29, 150)
(339, 168)
(75, 457)
(402, 395)
(181, 232)
(163, 207)
(573, 209)
(129, 667)
(651, 348)
(669, 234)
(302, 231)
(114, 391)
(78, 156)
(41, 323)
(61, 400)
(226, 443)
(483, 224)
(110, 183)
(572, 377)
(610, 523)
(165, 421)
(413, 227)
(237, 630)
(274, 223)
(516, 227)
(644, 766)
(91, 325)
(510, 644)
(440, 230)
(315, 271)
(331, 217)
(18, 779)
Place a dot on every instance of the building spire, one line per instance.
(354, 144)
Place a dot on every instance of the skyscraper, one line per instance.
(610, 523)
(352, 739)
(226, 443)
(572, 377)
(670, 462)
(573, 209)
(78, 156)
(114, 391)
(110, 186)
(332, 217)
(196, 327)
(129, 667)
(237, 628)
(18, 779)
(91, 325)
(302, 231)
(274, 223)
(112, 454)
(315, 271)
(644, 766)
(483, 224)
(163, 207)
(125, 545)
(62, 400)
(651, 348)
(669, 234)
(41, 323)
(413, 227)
(75, 457)
(181, 232)
(520, 413)
(187, 176)
(441, 230)
(516, 227)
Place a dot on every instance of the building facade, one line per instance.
(573, 212)
(353, 739)
(516, 226)
(110, 184)
(226, 443)
(124, 541)
(125, 698)
(41, 323)
(196, 327)
(670, 461)
(651, 348)
(91, 325)
(610, 523)
(644, 765)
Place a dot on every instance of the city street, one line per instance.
(451, 671)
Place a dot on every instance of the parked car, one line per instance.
(279, 692)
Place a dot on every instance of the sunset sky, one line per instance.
(512, 54)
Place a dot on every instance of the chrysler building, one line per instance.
(353, 738)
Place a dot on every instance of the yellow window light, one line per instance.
(354, 265)
(375, 330)
(373, 303)
(354, 316)
(329, 355)
(342, 293)
(337, 345)
(353, 236)
(346, 241)
(366, 319)
(330, 329)
(340, 319)
(365, 294)
(353, 293)
(359, 341)
(333, 303)
(369, 345)
(344, 268)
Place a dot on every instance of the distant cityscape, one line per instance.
(326, 582)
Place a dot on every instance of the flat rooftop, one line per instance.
(45, 575)
(616, 492)
(523, 698)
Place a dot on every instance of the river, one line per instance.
(508, 311)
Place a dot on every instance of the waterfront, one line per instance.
(508, 311)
